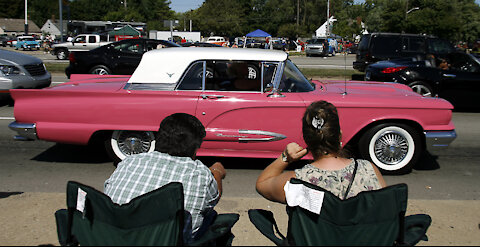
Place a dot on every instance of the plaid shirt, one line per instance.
(141, 173)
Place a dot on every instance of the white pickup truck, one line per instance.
(82, 42)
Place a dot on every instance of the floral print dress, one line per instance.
(337, 181)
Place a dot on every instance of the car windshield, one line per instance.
(316, 41)
(293, 80)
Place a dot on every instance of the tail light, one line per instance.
(71, 57)
(393, 69)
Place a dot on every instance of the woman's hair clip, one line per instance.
(317, 122)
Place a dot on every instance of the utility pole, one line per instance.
(328, 19)
(60, 7)
(26, 20)
(125, 4)
(298, 12)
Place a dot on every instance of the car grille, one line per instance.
(35, 69)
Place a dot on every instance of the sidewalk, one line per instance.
(28, 219)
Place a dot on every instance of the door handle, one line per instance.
(204, 96)
(449, 75)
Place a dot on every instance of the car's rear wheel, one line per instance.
(100, 70)
(62, 54)
(421, 88)
(123, 143)
(394, 148)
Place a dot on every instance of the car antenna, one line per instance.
(345, 66)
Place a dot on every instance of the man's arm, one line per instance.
(219, 174)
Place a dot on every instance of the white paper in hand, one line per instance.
(300, 195)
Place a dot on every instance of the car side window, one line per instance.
(192, 79)
(385, 45)
(233, 76)
(92, 39)
(80, 39)
(413, 44)
(135, 47)
(439, 46)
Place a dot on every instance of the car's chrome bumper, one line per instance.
(26, 131)
(439, 140)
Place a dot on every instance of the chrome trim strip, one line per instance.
(274, 136)
(26, 131)
(439, 140)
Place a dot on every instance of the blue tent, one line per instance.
(258, 33)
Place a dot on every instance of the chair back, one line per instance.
(155, 218)
(370, 218)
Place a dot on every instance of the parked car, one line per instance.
(459, 82)
(80, 43)
(27, 42)
(253, 118)
(4, 39)
(20, 71)
(285, 45)
(319, 47)
(118, 58)
(376, 47)
(216, 40)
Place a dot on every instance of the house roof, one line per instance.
(18, 25)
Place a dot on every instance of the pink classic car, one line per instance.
(251, 102)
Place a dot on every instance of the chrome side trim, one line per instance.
(439, 140)
(273, 136)
(26, 131)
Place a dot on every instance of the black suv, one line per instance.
(375, 47)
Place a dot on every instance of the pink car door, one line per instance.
(241, 116)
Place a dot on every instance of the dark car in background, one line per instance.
(118, 58)
(376, 47)
(456, 80)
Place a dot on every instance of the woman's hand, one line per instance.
(294, 152)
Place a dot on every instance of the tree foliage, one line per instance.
(450, 19)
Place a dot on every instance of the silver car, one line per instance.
(19, 70)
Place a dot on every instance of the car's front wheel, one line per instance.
(100, 70)
(62, 54)
(421, 88)
(123, 143)
(394, 148)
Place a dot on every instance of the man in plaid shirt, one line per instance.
(179, 137)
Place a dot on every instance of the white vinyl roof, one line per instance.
(167, 65)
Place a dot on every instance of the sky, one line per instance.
(186, 5)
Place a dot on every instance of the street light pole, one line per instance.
(327, 32)
(26, 20)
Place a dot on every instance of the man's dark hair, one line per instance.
(180, 134)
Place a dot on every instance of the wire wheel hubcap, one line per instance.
(391, 148)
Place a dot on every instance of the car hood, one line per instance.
(16, 58)
(376, 94)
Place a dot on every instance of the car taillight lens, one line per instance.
(393, 69)
(71, 57)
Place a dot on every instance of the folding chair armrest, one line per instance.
(264, 221)
(61, 219)
(219, 231)
(416, 227)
